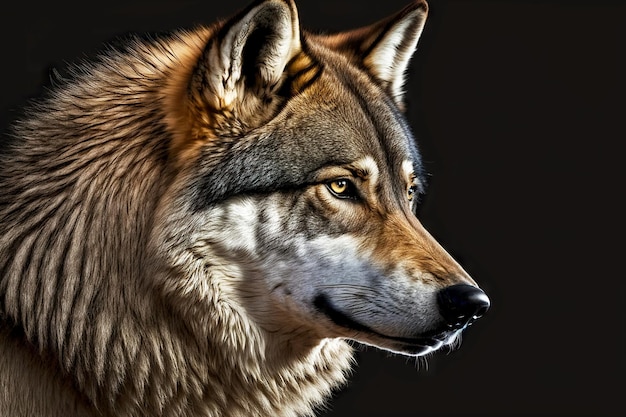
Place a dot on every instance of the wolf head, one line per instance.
(297, 180)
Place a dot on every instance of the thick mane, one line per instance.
(70, 171)
(74, 189)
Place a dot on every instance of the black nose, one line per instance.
(461, 304)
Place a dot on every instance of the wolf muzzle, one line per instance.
(461, 304)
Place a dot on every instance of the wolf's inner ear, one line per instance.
(386, 47)
(249, 54)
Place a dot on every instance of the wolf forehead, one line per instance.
(315, 129)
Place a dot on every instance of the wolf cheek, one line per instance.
(400, 293)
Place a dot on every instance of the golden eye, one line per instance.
(411, 192)
(339, 186)
(342, 189)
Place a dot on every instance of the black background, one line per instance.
(517, 106)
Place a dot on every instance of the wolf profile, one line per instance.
(201, 224)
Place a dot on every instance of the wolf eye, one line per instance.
(342, 188)
(339, 186)
(412, 191)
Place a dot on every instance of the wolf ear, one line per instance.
(246, 59)
(386, 47)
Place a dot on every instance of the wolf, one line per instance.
(208, 222)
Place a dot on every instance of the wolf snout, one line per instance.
(461, 304)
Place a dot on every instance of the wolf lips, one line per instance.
(423, 343)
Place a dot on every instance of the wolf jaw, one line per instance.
(131, 280)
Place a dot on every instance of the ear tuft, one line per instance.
(386, 47)
(249, 54)
(389, 58)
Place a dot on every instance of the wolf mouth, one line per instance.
(424, 343)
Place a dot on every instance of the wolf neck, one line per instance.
(179, 371)
(141, 357)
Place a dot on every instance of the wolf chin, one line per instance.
(204, 223)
